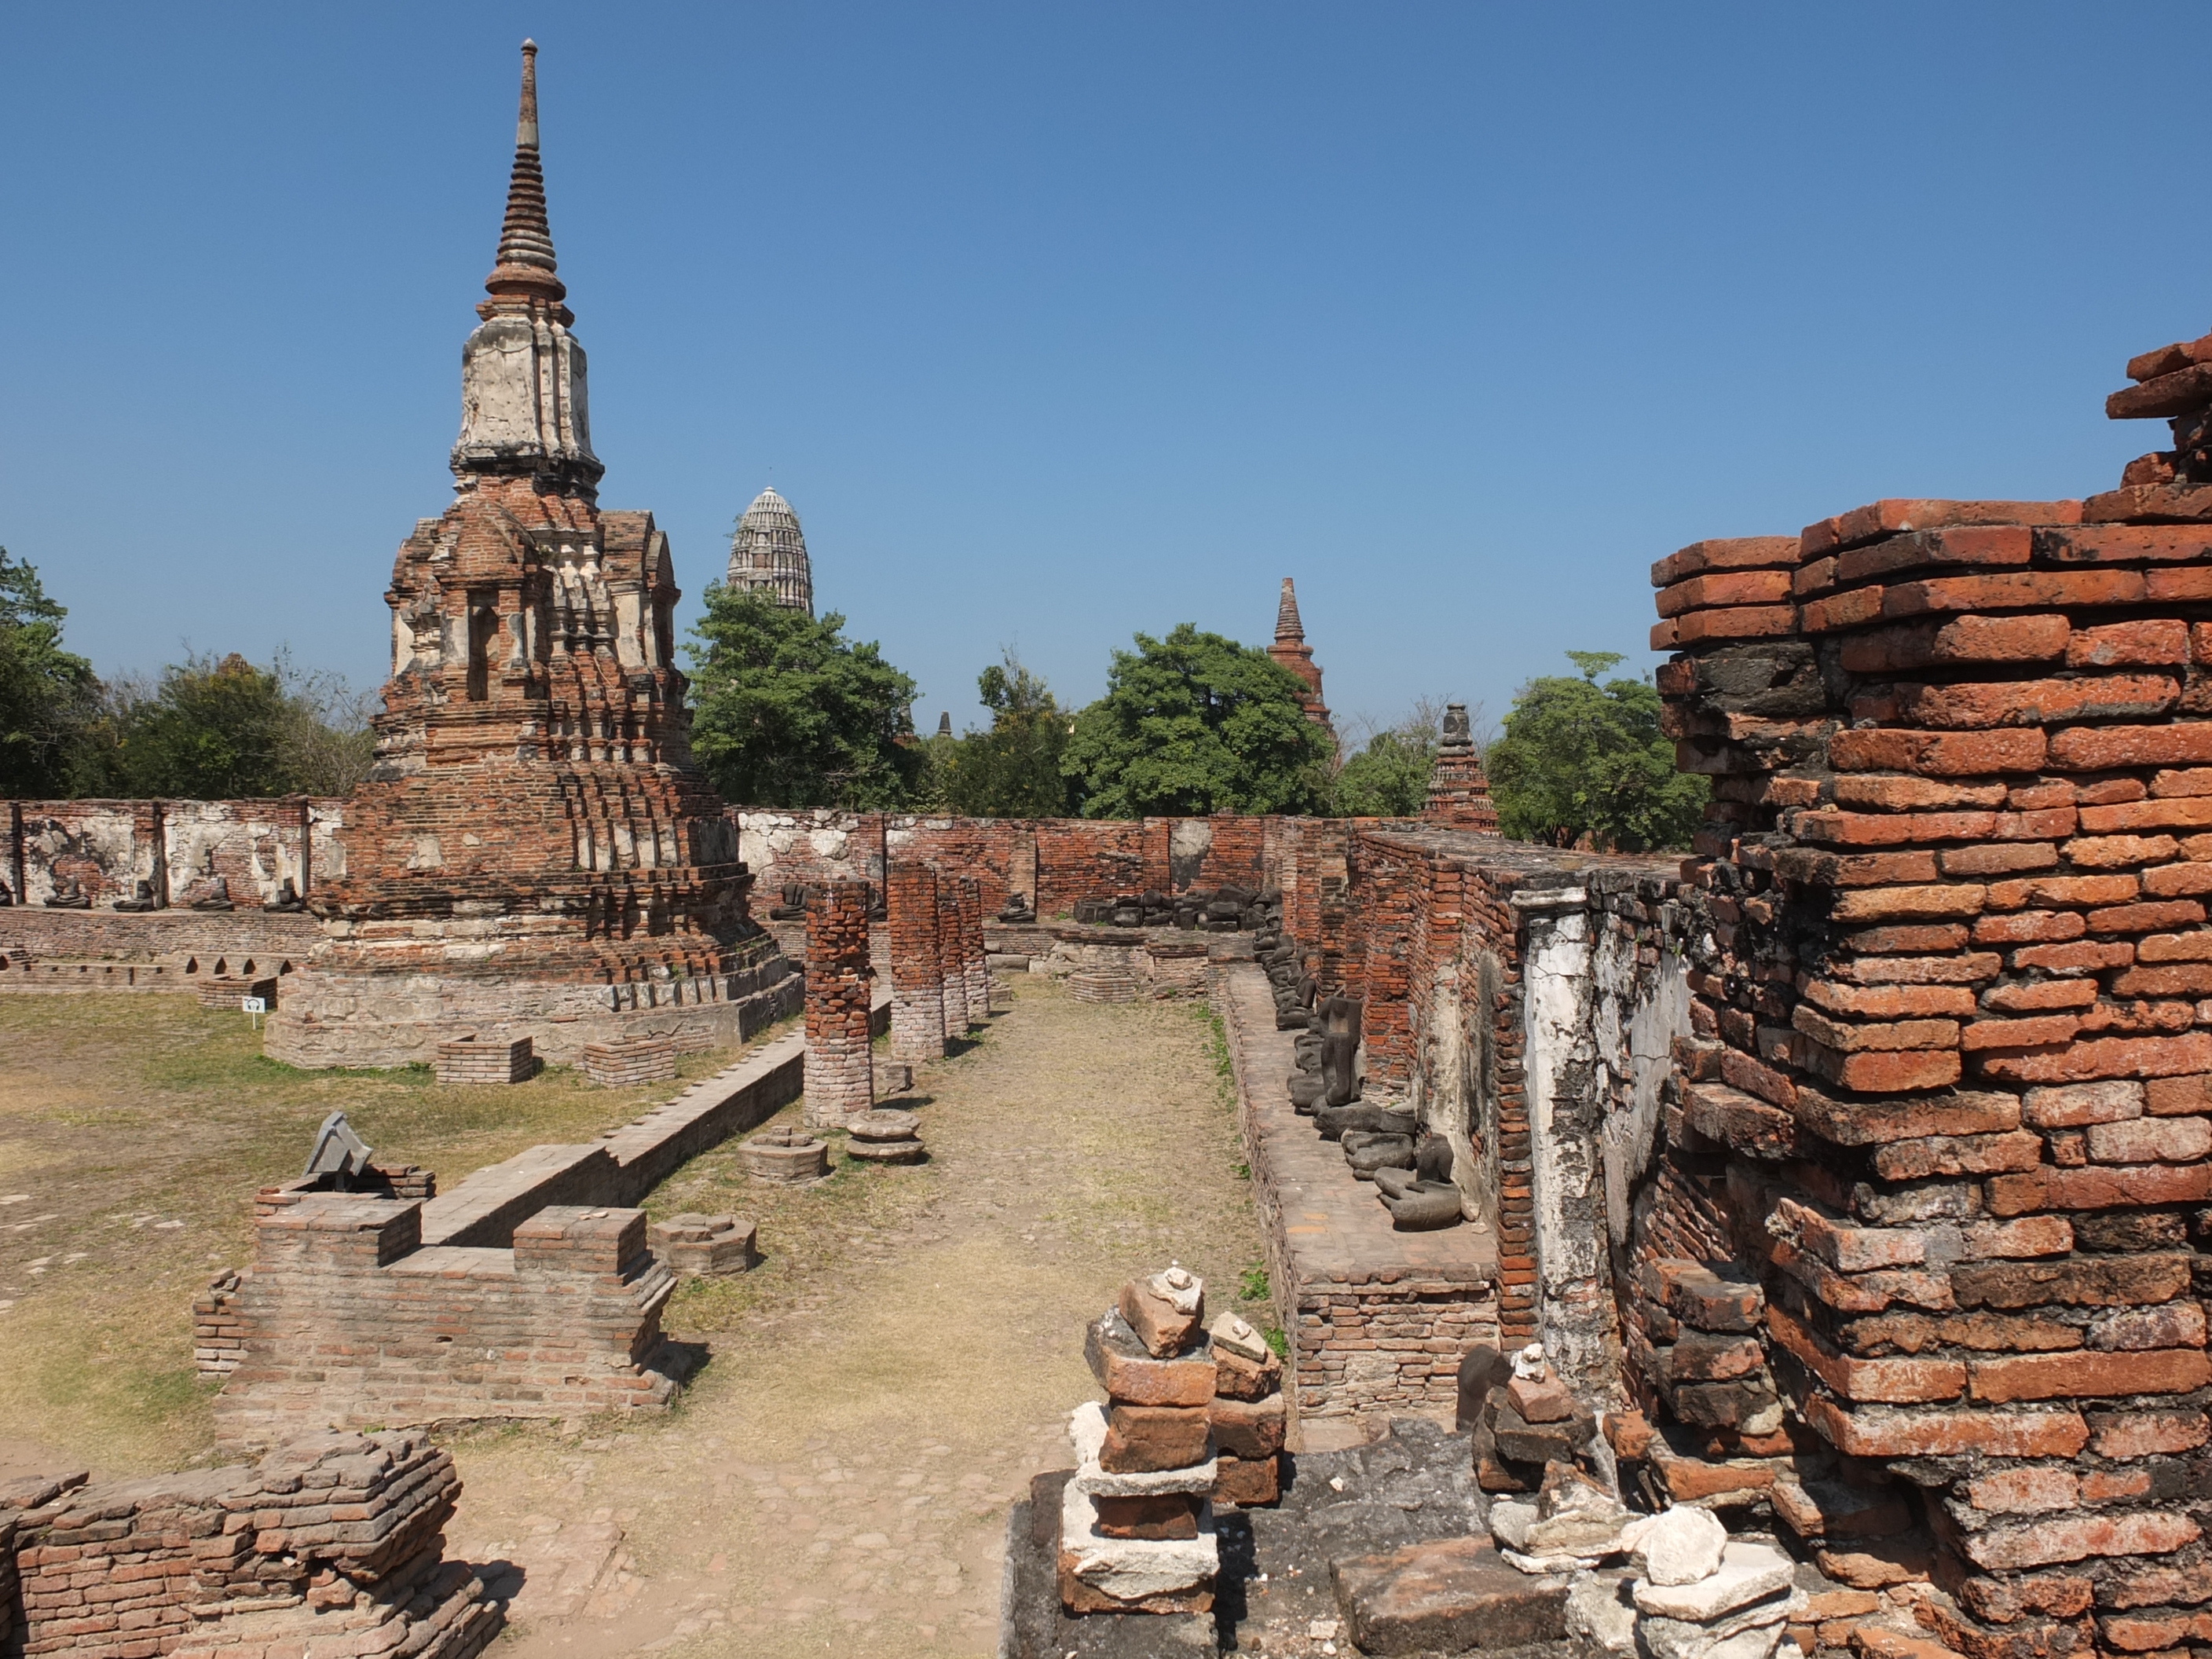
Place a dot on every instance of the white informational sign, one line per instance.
(254, 1005)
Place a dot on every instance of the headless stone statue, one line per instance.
(69, 895)
(287, 901)
(207, 890)
(141, 898)
(1339, 1048)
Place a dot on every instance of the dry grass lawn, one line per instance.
(134, 1131)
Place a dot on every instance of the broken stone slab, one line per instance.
(1247, 1482)
(1165, 1311)
(1126, 1371)
(1748, 1572)
(1748, 1633)
(1510, 1521)
(1679, 1545)
(1548, 1566)
(886, 1152)
(1600, 1614)
(1233, 1334)
(1158, 1575)
(1577, 1516)
(1448, 1595)
(1236, 1377)
(1086, 1429)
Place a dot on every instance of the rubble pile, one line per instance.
(1136, 1523)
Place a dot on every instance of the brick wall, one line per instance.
(840, 1069)
(972, 964)
(348, 1320)
(1948, 1108)
(108, 846)
(331, 1545)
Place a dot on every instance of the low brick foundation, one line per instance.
(624, 1065)
(330, 1547)
(474, 1058)
(347, 1320)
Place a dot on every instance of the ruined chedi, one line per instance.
(535, 853)
(1291, 651)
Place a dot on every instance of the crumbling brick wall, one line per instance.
(331, 1545)
(108, 846)
(347, 1321)
(1948, 1108)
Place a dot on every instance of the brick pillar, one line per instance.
(971, 950)
(840, 1079)
(917, 977)
(952, 970)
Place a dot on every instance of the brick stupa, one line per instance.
(535, 853)
(1291, 651)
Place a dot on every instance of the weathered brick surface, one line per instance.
(331, 1545)
(483, 1058)
(917, 973)
(1955, 886)
(840, 1069)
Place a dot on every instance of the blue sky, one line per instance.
(1058, 322)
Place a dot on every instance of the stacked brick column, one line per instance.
(951, 963)
(917, 974)
(973, 962)
(840, 1069)
(1950, 1099)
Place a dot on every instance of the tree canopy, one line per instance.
(214, 729)
(1011, 769)
(47, 695)
(1194, 724)
(790, 713)
(1580, 759)
(1387, 776)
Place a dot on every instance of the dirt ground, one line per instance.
(886, 1383)
(133, 1132)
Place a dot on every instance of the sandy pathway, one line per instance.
(837, 1479)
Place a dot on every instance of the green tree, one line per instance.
(208, 730)
(47, 695)
(790, 713)
(1010, 770)
(1195, 723)
(1387, 776)
(1578, 759)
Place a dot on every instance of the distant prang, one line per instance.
(767, 555)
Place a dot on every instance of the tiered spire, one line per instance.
(527, 263)
(1290, 650)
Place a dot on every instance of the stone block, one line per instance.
(1165, 1311)
(1247, 1482)
(1103, 1574)
(1143, 1439)
(1453, 1596)
(1248, 1429)
(1133, 1376)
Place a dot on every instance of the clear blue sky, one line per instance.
(1058, 322)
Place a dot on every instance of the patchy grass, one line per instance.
(134, 1132)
